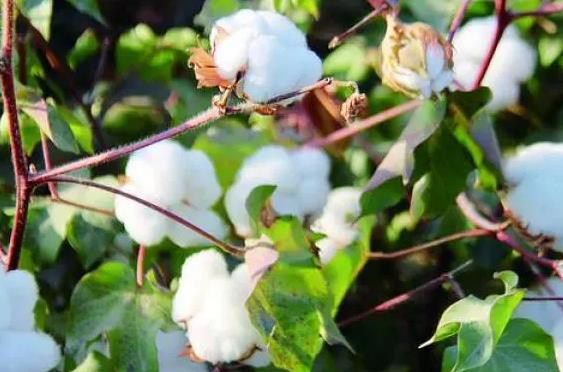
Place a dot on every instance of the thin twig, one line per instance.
(543, 298)
(544, 10)
(140, 274)
(105, 212)
(458, 19)
(362, 125)
(407, 296)
(337, 40)
(470, 211)
(422, 247)
(231, 249)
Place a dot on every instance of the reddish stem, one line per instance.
(405, 297)
(458, 19)
(503, 20)
(140, 266)
(422, 247)
(543, 298)
(337, 40)
(231, 249)
(543, 10)
(362, 125)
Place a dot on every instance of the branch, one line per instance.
(364, 124)
(458, 18)
(544, 10)
(422, 247)
(338, 39)
(545, 298)
(231, 249)
(407, 296)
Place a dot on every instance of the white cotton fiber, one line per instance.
(535, 189)
(205, 219)
(300, 177)
(202, 189)
(197, 272)
(513, 63)
(158, 171)
(169, 345)
(262, 46)
(23, 294)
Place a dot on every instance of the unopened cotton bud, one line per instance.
(416, 60)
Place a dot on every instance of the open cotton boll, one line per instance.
(327, 249)
(270, 165)
(312, 195)
(258, 359)
(311, 162)
(222, 331)
(205, 219)
(546, 313)
(202, 189)
(169, 345)
(28, 351)
(537, 160)
(23, 294)
(198, 271)
(159, 171)
(144, 225)
(281, 27)
(505, 94)
(231, 55)
(235, 204)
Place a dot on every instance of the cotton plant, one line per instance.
(22, 347)
(180, 180)
(257, 54)
(300, 177)
(415, 59)
(209, 305)
(533, 199)
(513, 63)
(338, 222)
(548, 315)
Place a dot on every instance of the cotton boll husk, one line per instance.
(202, 189)
(313, 194)
(311, 162)
(536, 203)
(235, 204)
(198, 271)
(327, 249)
(28, 351)
(231, 55)
(23, 294)
(205, 219)
(144, 225)
(540, 159)
(158, 171)
(222, 331)
(169, 345)
(546, 313)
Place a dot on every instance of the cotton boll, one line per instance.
(346, 201)
(546, 313)
(205, 219)
(242, 281)
(511, 50)
(221, 331)
(327, 249)
(505, 93)
(236, 21)
(270, 165)
(23, 294)
(5, 308)
(198, 271)
(281, 27)
(169, 345)
(311, 162)
(287, 204)
(144, 225)
(202, 189)
(312, 195)
(537, 160)
(28, 351)
(473, 39)
(258, 359)
(231, 55)
(465, 73)
(158, 171)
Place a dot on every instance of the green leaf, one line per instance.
(256, 201)
(89, 7)
(94, 362)
(384, 196)
(39, 13)
(79, 126)
(437, 13)
(108, 300)
(435, 192)
(523, 347)
(291, 306)
(348, 62)
(89, 242)
(399, 161)
(478, 324)
(86, 46)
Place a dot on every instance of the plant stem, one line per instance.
(407, 296)
(422, 247)
(364, 124)
(458, 18)
(338, 39)
(543, 10)
(231, 249)
(468, 209)
(503, 19)
(23, 188)
(140, 266)
(543, 298)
